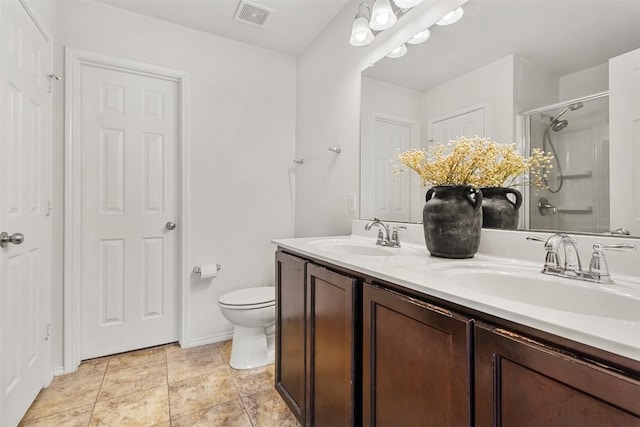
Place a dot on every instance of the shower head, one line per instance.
(557, 125)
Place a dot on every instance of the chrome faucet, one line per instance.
(562, 259)
(384, 239)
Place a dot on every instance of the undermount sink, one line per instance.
(527, 285)
(350, 246)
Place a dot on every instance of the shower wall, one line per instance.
(582, 204)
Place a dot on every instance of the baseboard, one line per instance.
(208, 340)
(58, 370)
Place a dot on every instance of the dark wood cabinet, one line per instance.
(316, 342)
(353, 350)
(521, 382)
(331, 348)
(416, 367)
(291, 332)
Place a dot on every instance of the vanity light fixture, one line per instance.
(451, 17)
(361, 34)
(407, 4)
(382, 15)
(398, 52)
(421, 37)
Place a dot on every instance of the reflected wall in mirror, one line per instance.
(478, 77)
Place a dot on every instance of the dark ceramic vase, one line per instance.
(452, 221)
(498, 210)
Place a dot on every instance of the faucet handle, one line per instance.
(598, 266)
(536, 239)
(395, 240)
(615, 247)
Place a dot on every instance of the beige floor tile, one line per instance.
(93, 367)
(66, 392)
(225, 349)
(251, 381)
(78, 417)
(190, 364)
(267, 409)
(230, 414)
(197, 393)
(175, 350)
(172, 349)
(145, 408)
(121, 382)
(137, 358)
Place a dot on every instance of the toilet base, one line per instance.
(251, 348)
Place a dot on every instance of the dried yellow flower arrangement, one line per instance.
(475, 161)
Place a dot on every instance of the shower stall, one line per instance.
(576, 133)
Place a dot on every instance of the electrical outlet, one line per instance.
(352, 205)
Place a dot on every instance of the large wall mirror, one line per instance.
(533, 72)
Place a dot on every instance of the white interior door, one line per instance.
(130, 181)
(24, 197)
(624, 113)
(468, 124)
(392, 196)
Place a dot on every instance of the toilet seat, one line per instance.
(249, 298)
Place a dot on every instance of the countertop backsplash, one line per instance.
(514, 244)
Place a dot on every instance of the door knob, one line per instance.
(170, 225)
(15, 238)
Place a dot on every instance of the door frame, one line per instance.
(75, 59)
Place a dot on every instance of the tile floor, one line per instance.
(162, 386)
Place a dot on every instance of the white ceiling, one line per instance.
(560, 36)
(289, 29)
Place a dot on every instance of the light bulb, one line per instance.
(451, 17)
(421, 37)
(361, 34)
(382, 16)
(398, 52)
(407, 4)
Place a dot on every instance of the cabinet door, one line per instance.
(291, 332)
(416, 369)
(520, 382)
(330, 346)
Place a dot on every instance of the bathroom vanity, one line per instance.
(370, 337)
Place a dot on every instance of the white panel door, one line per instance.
(468, 124)
(130, 154)
(392, 194)
(624, 148)
(24, 192)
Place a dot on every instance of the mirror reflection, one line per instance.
(514, 72)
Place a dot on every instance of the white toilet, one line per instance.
(252, 311)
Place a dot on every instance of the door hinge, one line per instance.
(47, 330)
(49, 207)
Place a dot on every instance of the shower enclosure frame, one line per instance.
(523, 130)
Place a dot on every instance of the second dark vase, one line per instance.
(498, 210)
(452, 221)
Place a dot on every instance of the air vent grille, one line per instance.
(252, 14)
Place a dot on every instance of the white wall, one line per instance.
(534, 86)
(328, 113)
(492, 84)
(242, 128)
(585, 82)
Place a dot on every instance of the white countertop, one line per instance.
(412, 267)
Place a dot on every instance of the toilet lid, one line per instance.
(249, 296)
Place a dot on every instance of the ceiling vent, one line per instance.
(252, 14)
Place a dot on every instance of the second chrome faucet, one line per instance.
(384, 238)
(562, 259)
